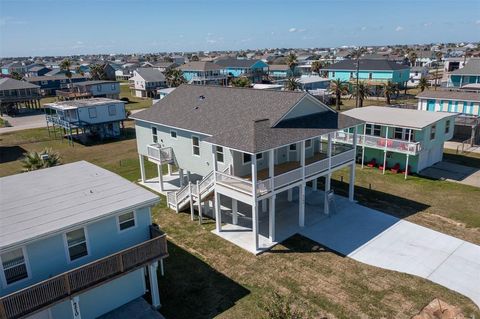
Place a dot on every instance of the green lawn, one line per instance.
(409, 98)
(207, 276)
(135, 102)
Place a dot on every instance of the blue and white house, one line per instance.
(469, 74)
(255, 70)
(203, 73)
(50, 84)
(76, 241)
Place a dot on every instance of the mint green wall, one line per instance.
(397, 76)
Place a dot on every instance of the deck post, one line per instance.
(264, 205)
(192, 210)
(301, 205)
(254, 201)
(385, 150)
(160, 177)
(406, 161)
(169, 169)
(152, 275)
(199, 201)
(271, 166)
(351, 183)
(315, 184)
(181, 177)
(142, 167)
(234, 211)
(218, 212)
(290, 194)
(271, 217)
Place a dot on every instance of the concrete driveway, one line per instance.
(23, 121)
(381, 240)
(453, 173)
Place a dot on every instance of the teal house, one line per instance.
(255, 70)
(400, 140)
(203, 73)
(76, 241)
(469, 74)
(281, 71)
(373, 71)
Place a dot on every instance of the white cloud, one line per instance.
(292, 30)
(211, 41)
(427, 24)
(302, 30)
(399, 28)
(477, 22)
(363, 28)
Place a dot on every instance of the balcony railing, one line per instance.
(378, 142)
(163, 155)
(47, 292)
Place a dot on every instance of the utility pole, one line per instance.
(358, 70)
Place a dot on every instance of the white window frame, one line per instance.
(311, 144)
(195, 146)
(90, 113)
(110, 108)
(134, 221)
(259, 157)
(219, 150)
(176, 134)
(67, 251)
(27, 265)
(447, 126)
(154, 136)
(433, 132)
(243, 158)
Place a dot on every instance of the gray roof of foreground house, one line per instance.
(199, 66)
(54, 77)
(472, 67)
(12, 84)
(449, 95)
(367, 65)
(93, 82)
(408, 118)
(235, 63)
(48, 201)
(151, 74)
(240, 118)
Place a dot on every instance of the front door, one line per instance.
(431, 105)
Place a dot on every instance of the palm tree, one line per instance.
(241, 82)
(78, 70)
(363, 91)
(338, 87)
(389, 89)
(412, 57)
(65, 65)
(292, 62)
(423, 84)
(174, 77)
(15, 75)
(292, 84)
(316, 67)
(34, 160)
(97, 72)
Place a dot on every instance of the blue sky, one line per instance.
(64, 27)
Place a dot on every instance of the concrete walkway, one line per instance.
(381, 240)
(135, 309)
(458, 145)
(454, 173)
(23, 121)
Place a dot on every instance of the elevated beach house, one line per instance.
(76, 241)
(146, 81)
(88, 89)
(469, 74)
(251, 152)
(95, 118)
(400, 140)
(203, 72)
(255, 70)
(15, 94)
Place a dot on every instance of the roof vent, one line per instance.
(201, 97)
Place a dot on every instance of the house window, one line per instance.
(447, 126)
(374, 130)
(370, 76)
(398, 134)
(112, 110)
(173, 134)
(292, 147)
(114, 87)
(247, 158)
(432, 132)
(308, 143)
(154, 134)
(219, 154)
(92, 112)
(99, 88)
(14, 266)
(333, 74)
(195, 145)
(351, 75)
(259, 156)
(126, 221)
(76, 244)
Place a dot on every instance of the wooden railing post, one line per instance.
(3, 313)
(120, 262)
(67, 284)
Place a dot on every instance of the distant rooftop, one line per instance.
(367, 65)
(48, 201)
(472, 67)
(450, 95)
(200, 66)
(12, 84)
(74, 104)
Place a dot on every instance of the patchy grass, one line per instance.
(135, 103)
(48, 99)
(207, 276)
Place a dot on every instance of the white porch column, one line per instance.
(254, 201)
(264, 205)
(271, 218)
(188, 176)
(160, 177)
(315, 184)
(199, 202)
(152, 275)
(328, 178)
(289, 194)
(142, 167)
(218, 212)
(192, 209)
(170, 169)
(406, 161)
(301, 205)
(271, 167)
(234, 211)
(181, 176)
(385, 150)
(351, 183)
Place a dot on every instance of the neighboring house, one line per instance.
(400, 139)
(280, 71)
(373, 71)
(469, 74)
(73, 244)
(203, 73)
(38, 70)
(109, 71)
(254, 150)
(313, 83)
(146, 81)
(165, 66)
(161, 93)
(255, 70)
(96, 118)
(15, 93)
(465, 104)
(16, 66)
(96, 88)
(50, 84)
(178, 59)
(416, 73)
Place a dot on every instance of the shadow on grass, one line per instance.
(127, 133)
(192, 289)
(11, 153)
(300, 244)
(462, 160)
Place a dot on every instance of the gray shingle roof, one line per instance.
(48, 201)
(241, 118)
(367, 65)
(450, 95)
(199, 66)
(54, 77)
(93, 82)
(278, 67)
(472, 67)
(151, 74)
(12, 84)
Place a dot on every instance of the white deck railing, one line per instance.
(316, 167)
(237, 183)
(343, 157)
(163, 155)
